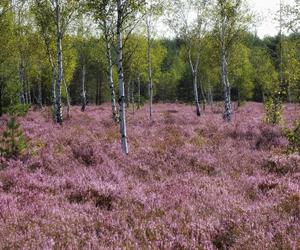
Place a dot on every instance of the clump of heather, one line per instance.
(188, 182)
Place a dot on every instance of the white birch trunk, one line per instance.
(53, 77)
(149, 63)
(59, 118)
(21, 75)
(198, 110)
(224, 77)
(139, 92)
(195, 83)
(110, 78)
(68, 99)
(40, 96)
(121, 79)
(132, 98)
(203, 95)
(128, 93)
(83, 93)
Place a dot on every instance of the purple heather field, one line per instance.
(188, 182)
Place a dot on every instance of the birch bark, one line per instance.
(58, 114)
(224, 75)
(121, 78)
(139, 92)
(194, 70)
(149, 63)
(110, 73)
(83, 93)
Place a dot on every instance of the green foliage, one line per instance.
(274, 109)
(293, 136)
(264, 73)
(12, 143)
(18, 109)
(241, 72)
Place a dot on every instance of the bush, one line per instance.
(12, 143)
(293, 136)
(18, 109)
(273, 108)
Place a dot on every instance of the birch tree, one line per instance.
(63, 11)
(103, 13)
(126, 10)
(190, 20)
(152, 10)
(46, 28)
(83, 48)
(231, 18)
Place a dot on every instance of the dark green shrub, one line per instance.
(12, 143)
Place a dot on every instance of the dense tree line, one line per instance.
(79, 52)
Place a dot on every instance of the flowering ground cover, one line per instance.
(188, 182)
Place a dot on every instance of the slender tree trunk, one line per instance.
(1, 99)
(194, 70)
(203, 96)
(121, 78)
(53, 78)
(224, 78)
(83, 93)
(128, 93)
(28, 89)
(289, 92)
(139, 92)
(210, 97)
(97, 90)
(149, 63)
(196, 96)
(54, 92)
(132, 97)
(40, 95)
(21, 75)
(68, 99)
(239, 96)
(59, 117)
(111, 81)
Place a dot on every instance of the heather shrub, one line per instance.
(7, 181)
(268, 137)
(291, 205)
(171, 138)
(84, 153)
(293, 136)
(112, 134)
(225, 236)
(282, 165)
(12, 143)
(198, 140)
(169, 118)
(101, 201)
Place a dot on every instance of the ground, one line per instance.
(188, 182)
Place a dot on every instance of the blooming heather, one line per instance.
(188, 183)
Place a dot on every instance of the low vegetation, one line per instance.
(186, 184)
